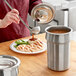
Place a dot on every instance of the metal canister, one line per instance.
(58, 48)
(9, 65)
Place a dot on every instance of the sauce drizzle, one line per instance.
(33, 38)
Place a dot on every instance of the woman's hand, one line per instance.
(10, 17)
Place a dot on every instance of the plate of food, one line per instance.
(28, 46)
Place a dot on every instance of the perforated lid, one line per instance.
(43, 12)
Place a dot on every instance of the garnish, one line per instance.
(21, 42)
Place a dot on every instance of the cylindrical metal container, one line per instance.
(9, 65)
(58, 47)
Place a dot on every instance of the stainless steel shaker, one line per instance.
(58, 48)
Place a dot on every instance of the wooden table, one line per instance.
(36, 65)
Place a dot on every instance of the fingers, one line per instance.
(10, 17)
(15, 11)
(15, 17)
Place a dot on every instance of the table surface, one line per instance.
(36, 65)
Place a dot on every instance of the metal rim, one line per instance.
(11, 57)
(71, 30)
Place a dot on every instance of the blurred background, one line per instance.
(65, 14)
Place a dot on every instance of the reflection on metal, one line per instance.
(43, 13)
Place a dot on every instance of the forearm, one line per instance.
(1, 24)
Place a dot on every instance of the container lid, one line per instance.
(43, 13)
(8, 62)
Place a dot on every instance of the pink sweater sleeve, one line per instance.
(33, 3)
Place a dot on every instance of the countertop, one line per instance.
(36, 65)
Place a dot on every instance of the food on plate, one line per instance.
(32, 45)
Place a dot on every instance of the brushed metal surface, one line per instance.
(9, 65)
(58, 49)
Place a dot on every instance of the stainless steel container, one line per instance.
(58, 48)
(9, 65)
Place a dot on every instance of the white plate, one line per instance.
(15, 50)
